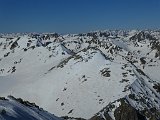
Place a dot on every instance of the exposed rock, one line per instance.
(105, 72)
(126, 112)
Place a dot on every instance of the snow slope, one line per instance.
(17, 109)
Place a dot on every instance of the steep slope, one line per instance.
(17, 109)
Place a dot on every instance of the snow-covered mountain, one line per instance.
(96, 75)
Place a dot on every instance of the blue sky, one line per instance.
(74, 16)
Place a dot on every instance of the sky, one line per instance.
(77, 16)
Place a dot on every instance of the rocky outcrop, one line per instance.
(126, 112)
